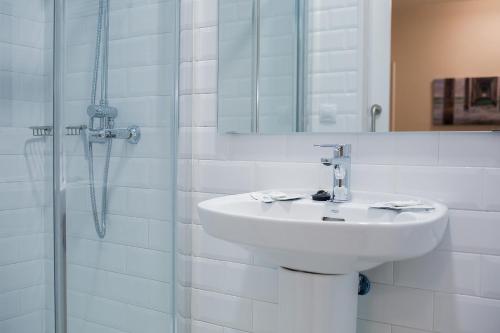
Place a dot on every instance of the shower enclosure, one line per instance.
(88, 130)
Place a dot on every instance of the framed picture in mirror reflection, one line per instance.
(466, 101)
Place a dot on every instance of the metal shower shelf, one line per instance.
(75, 130)
(49, 130)
(42, 130)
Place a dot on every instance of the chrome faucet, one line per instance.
(341, 162)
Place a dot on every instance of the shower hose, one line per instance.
(102, 47)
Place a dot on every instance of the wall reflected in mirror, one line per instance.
(258, 55)
(320, 65)
(446, 60)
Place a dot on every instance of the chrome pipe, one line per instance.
(105, 54)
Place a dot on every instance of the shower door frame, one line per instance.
(58, 171)
(59, 184)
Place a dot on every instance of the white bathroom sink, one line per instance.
(295, 234)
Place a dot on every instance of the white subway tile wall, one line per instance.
(335, 66)
(123, 283)
(236, 49)
(451, 290)
(25, 273)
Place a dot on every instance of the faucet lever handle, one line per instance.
(336, 147)
(327, 145)
(333, 145)
(340, 150)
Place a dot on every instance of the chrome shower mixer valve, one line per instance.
(106, 114)
(132, 134)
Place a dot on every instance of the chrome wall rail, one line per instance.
(42, 130)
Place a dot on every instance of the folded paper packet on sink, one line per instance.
(269, 197)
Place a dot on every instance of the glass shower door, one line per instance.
(26, 264)
(120, 263)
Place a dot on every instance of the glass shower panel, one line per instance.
(120, 280)
(26, 265)
(237, 51)
(278, 66)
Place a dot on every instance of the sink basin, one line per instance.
(325, 237)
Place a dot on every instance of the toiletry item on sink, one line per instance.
(401, 205)
(321, 195)
(269, 197)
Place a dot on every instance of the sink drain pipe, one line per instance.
(364, 285)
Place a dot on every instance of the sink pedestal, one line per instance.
(316, 303)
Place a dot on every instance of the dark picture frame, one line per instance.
(466, 101)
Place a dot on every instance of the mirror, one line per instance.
(358, 66)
